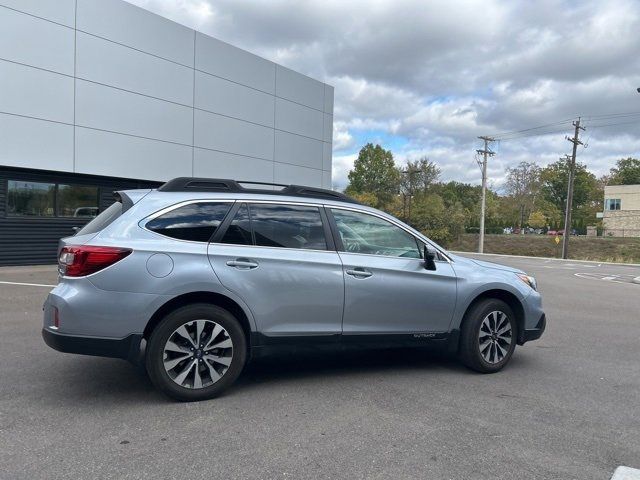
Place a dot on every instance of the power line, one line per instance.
(547, 129)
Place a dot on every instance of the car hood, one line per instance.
(481, 263)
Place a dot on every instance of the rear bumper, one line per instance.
(127, 348)
(535, 333)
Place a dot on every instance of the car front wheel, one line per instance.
(488, 336)
(196, 352)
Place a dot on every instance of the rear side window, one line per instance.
(196, 222)
(103, 220)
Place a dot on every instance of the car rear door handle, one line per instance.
(359, 272)
(243, 264)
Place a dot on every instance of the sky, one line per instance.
(427, 77)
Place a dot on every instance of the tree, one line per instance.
(417, 177)
(626, 172)
(374, 172)
(537, 220)
(587, 194)
(523, 185)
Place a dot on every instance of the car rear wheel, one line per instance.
(488, 336)
(196, 352)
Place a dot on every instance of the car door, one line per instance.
(280, 259)
(387, 288)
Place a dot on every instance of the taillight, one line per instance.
(84, 260)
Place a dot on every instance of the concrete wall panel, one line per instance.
(327, 156)
(208, 163)
(114, 110)
(232, 99)
(103, 153)
(298, 88)
(106, 62)
(296, 118)
(284, 173)
(31, 143)
(328, 99)
(223, 60)
(298, 150)
(233, 136)
(36, 42)
(135, 27)
(59, 11)
(35, 93)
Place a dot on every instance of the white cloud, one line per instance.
(435, 75)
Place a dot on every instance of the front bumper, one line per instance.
(127, 348)
(535, 333)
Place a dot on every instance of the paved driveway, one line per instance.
(567, 407)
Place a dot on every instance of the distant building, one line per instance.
(621, 216)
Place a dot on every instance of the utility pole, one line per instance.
(572, 167)
(486, 153)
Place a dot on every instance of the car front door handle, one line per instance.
(359, 273)
(242, 264)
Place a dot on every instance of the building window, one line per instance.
(612, 204)
(31, 198)
(77, 201)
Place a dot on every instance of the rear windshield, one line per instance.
(102, 220)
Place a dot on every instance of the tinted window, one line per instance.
(30, 198)
(239, 232)
(102, 220)
(196, 222)
(288, 226)
(363, 233)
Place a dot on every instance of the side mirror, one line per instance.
(429, 258)
(75, 229)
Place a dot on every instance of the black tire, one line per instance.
(470, 352)
(166, 328)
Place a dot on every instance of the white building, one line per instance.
(97, 95)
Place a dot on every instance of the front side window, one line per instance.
(239, 232)
(196, 222)
(364, 233)
(31, 198)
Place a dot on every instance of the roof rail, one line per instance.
(193, 184)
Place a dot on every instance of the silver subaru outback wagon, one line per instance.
(198, 276)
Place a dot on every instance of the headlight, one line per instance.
(528, 280)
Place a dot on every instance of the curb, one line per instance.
(458, 252)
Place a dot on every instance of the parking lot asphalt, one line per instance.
(567, 407)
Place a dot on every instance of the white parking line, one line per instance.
(621, 278)
(626, 473)
(28, 284)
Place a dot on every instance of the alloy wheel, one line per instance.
(197, 354)
(495, 337)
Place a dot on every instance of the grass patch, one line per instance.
(600, 249)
